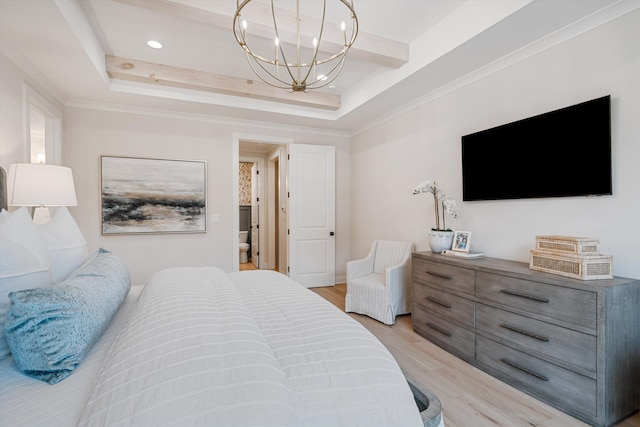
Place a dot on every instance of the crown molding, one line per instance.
(170, 114)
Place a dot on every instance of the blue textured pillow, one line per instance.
(50, 330)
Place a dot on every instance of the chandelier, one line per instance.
(296, 51)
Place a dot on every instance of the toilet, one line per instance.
(244, 247)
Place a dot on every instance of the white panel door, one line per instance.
(255, 215)
(311, 191)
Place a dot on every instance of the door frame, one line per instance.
(277, 215)
(32, 100)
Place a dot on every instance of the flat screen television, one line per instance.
(562, 153)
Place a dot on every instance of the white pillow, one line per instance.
(18, 227)
(65, 244)
(24, 261)
(15, 262)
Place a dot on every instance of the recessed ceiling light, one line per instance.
(154, 44)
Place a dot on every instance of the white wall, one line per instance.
(384, 163)
(12, 149)
(387, 161)
(90, 133)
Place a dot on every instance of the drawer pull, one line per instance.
(525, 370)
(435, 301)
(439, 329)
(523, 332)
(520, 294)
(443, 276)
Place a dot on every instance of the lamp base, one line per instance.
(41, 215)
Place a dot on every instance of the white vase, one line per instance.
(440, 240)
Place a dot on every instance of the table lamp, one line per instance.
(40, 185)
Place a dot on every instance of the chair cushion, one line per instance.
(375, 280)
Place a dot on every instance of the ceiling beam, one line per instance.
(147, 72)
(368, 47)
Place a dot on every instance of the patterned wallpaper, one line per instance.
(245, 183)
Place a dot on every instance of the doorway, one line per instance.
(248, 214)
(305, 182)
(259, 193)
(252, 225)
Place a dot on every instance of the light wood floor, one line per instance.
(469, 397)
(247, 266)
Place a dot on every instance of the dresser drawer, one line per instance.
(453, 338)
(565, 304)
(561, 343)
(561, 387)
(444, 304)
(448, 276)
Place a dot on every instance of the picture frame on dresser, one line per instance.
(461, 241)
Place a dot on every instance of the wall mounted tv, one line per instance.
(562, 153)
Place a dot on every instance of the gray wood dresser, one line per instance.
(573, 344)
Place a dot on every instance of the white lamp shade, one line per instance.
(32, 184)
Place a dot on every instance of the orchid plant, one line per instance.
(440, 200)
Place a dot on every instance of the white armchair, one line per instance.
(380, 284)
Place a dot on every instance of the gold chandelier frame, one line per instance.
(301, 74)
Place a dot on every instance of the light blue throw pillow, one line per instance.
(50, 330)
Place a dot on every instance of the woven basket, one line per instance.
(584, 267)
(568, 245)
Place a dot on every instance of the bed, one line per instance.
(194, 346)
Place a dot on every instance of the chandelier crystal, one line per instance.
(296, 50)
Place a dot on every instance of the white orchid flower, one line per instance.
(448, 204)
(425, 187)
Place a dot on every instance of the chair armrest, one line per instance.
(399, 282)
(399, 273)
(361, 267)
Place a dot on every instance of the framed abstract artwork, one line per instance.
(142, 195)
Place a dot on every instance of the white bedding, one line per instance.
(205, 348)
(25, 401)
(340, 374)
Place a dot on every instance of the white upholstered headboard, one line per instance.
(3, 189)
